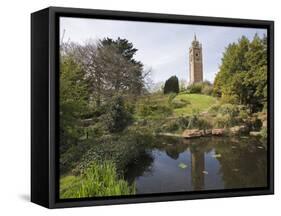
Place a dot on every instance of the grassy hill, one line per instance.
(198, 102)
(182, 104)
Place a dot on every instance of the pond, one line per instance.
(206, 163)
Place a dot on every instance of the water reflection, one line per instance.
(197, 168)
(210, 163)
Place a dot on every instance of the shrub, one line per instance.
(199, 123)
(214, 109)
(177, 124)
(117, 117)
(207, 90)
(121, 149)
(171, 85)
(201, 88)
(154, 111)
(229, 109)
(70, 158)
(225, 121)
(97, 180)
(254, 123)
(195, 88)
(229, 99)
(244, 112)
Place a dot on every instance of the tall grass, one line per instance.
(97, 180)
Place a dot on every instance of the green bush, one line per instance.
(195, 88)
(207, 90)
(225, 121)
(171, 85)
(117, 117)
(97, 180)
(244, 112)
(121, 149)
(177, 124)
(254, 123)
(200, 88)
(196, 122)
(153, 110)
(229, 109)
(214, 109)
(70, 158)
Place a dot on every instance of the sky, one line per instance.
(162, 47)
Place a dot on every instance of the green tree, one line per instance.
(124, 47)
(134, 75)
(117, 117)
(171, 85)
(242, 76)
(73, 101)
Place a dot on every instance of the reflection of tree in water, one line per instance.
(173, 151)
(140, 165)
(242, 162)
(243, 166)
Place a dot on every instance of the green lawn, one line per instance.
(198, 102)
(194, 102)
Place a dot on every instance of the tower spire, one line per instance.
(195, 62)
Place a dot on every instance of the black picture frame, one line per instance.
(45, 100)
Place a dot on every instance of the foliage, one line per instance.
(225, 121)
(73, 101)
(214, 109)
(242, 76)
(109, 67)
(229, 109)
(200, 88)
(207, 90)
(151, 109)
(97, 180)
(91, 75)
(117, 118)
(197, 122)
(171, 85)
(228, 115)
(264, 132)
(195, 88)
(175, 125)
(71, 156)
(121, 149)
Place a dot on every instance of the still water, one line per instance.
(200, 164)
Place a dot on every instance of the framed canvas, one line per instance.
(139, 107)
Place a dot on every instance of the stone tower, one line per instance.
(195, 62)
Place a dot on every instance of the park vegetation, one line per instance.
(109, 118)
